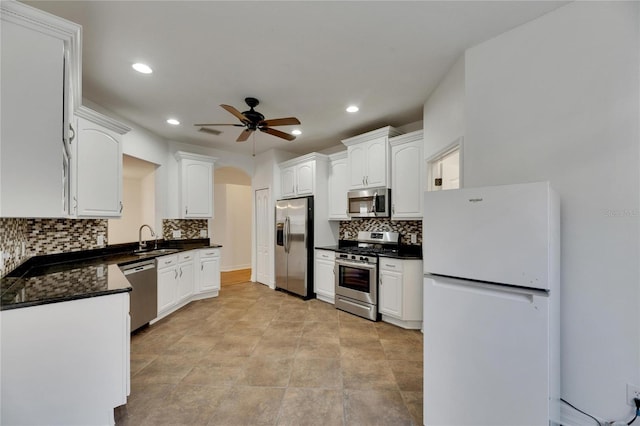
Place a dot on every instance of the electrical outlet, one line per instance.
(414, 238)
(23, 248)
(100, 241)
(203, 233)
(177, 233)
(632, 392)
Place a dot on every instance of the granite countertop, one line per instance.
(77, 275)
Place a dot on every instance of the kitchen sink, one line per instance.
(156, 252)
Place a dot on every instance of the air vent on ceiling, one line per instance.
(210, 131)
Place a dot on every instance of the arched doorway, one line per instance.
(231, 225)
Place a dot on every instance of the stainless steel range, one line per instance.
(356, 272)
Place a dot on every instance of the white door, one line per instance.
(262, 203)
(445, 171)
(391, 293)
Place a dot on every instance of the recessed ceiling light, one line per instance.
(296, 132)
(352, 108)
(173, 121)
(142, 68)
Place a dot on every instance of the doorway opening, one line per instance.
(443, 169)
(138, 201)
(231, 224)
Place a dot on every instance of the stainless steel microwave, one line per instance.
(372, 202)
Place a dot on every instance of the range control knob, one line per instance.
(353, 257)
(363, 259)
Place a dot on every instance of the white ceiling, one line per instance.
(308, 59)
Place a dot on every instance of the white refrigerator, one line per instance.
(491, 306)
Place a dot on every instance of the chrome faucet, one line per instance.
(143, 244)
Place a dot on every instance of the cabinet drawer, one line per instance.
(390, 264)
(186, 256)
(167, 261)
(325, 254)
(210, 253)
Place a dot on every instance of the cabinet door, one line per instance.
(167, 288)
(210, 273)
(288, 182)
(197, 189)
(99, 171)
(304, 178)
(32, 182)
(406, 181)
(391, 293)
(324, 280)
(376, 163)
(357, 163)
(186, 280)
(338, 188)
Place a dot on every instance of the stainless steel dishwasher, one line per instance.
(143, 305)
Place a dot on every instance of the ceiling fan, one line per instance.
(252, 120)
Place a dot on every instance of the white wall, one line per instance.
(557, 99)
(444, 112)
(232, 225)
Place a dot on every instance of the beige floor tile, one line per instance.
(266, 372)
(311, 407)
(316, 373)
(318, 347)
(402, 349)
(414, 402)
(375, 407)
(408, 374)
(169, 369)
(372, 374)
(186, 405)
(321, 328)
(251, 406)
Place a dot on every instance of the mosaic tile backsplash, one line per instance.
(46, 236)
(190, 228)
(349, 229)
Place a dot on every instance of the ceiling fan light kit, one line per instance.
(252, 120)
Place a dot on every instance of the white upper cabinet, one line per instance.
(368, 158)
(40, 63)
(298, 176)
(195, 185)
(407, 176)
(338, 186)
(97, 164)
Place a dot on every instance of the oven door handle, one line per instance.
(369, 266)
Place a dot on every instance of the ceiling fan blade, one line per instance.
(217, 124)
(235, 112)
(277, 133)
(244, 135)
(280, 121)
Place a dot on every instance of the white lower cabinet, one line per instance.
(400, 292)
(187, 276)
(167, 284)
(209, 273)
(324, 278)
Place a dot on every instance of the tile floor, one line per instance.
(254, 356)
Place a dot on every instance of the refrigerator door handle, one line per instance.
(496, 290)
(286, 234)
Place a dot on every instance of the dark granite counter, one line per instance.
(77, 275)
(404, 251)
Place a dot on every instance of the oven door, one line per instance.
(357, 281)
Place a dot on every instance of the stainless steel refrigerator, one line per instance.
(294, 246)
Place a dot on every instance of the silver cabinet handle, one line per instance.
(121, 206)
(73, 133)
(176, 276)
(181, 271)
(393, 209)
(389, 266)
(186, 210)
